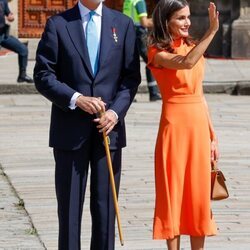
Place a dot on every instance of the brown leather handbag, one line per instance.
(218, 186)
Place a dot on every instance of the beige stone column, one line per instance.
(13, 5)
(241, 32)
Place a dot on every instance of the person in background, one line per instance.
(12, 43)
(186, 143)
(136, 9)
(87, 61)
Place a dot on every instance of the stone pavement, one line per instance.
(16, 226)
(221, 76)
(27, 198)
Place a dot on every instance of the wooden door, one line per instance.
(34, 13)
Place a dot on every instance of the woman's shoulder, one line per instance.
(153, 49)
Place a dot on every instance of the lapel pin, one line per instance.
(114, 34)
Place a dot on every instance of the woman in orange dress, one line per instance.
(186, 142)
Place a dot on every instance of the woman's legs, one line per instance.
(197, 243)
(174, 244)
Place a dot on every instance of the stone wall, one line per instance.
(13, 5)
(241, 32)
(232, 39)
(229, 11)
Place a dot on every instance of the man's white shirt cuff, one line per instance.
(114, 113)
(72, 104)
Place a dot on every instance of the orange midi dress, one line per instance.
(182, 152)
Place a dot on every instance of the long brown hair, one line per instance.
(160, 35)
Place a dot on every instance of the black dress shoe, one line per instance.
(25, 78)
(155, 97)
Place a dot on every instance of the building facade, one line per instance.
(31, 15)
(232, 40)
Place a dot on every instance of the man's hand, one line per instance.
(106, 122)
(10, 17)
(91, 105)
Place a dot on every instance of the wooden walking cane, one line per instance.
(112, 180)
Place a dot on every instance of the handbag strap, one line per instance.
(214, 166)
(215, 169)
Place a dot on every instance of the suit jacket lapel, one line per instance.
(75, 30)
(106, 35)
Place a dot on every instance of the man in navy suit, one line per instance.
(80, 81)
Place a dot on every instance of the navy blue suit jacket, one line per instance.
(63, 67)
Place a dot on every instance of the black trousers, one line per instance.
(71, 179)
(12, 43)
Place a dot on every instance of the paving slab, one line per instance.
(17, 230)
(221, 76)
(28, 164)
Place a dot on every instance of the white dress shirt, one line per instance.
(84, 12)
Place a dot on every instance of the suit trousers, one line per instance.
(71, 174)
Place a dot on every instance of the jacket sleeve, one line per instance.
(45, 75)
(130, 74)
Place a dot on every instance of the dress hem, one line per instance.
(182, 234)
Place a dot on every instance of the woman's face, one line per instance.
(179, 23)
